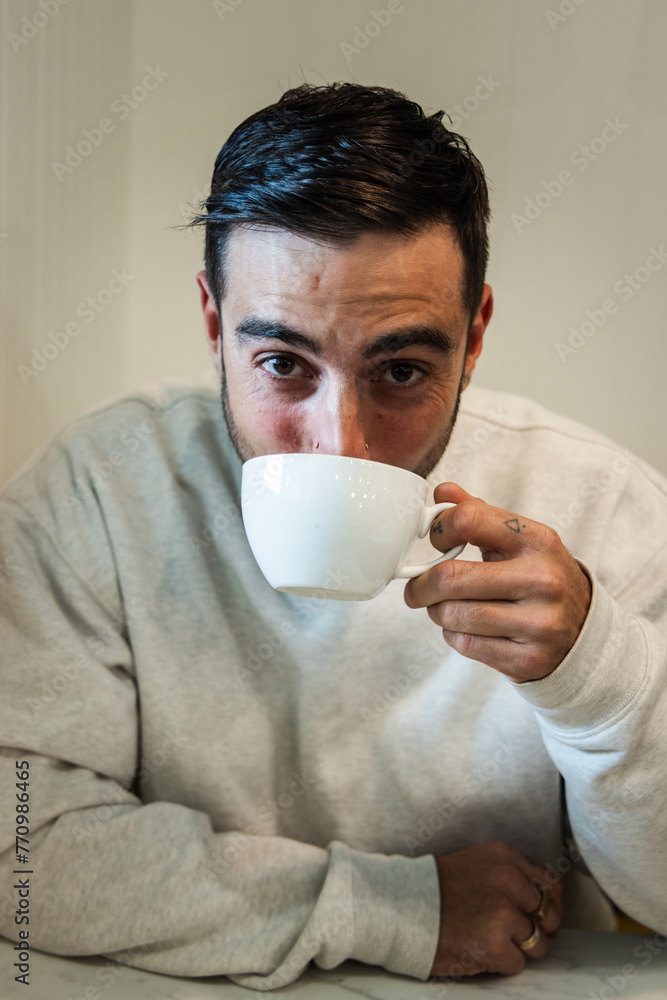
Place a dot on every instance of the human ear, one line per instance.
(211, 322)
(476, 336)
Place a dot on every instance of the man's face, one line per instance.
(356, 350)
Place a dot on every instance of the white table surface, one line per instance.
(583, 964)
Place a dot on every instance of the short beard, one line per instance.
(424, 469)
(428, 464)
(241, 446)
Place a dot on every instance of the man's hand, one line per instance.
(520, 610)
(486, 892)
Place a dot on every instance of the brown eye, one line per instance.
(282, 365)
(402, 373)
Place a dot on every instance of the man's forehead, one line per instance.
(374, 265)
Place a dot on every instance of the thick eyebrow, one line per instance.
(411, 336)
(252, 327)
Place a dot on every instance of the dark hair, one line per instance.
(331, 162)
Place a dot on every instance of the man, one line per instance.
(230, 780)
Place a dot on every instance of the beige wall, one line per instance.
(555, 72)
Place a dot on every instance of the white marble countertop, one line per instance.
(583, 964)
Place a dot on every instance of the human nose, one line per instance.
(338, 426)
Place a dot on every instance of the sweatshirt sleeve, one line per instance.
(602, 711)
(154, 885)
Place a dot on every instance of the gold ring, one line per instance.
(531, 941)
(543, 908)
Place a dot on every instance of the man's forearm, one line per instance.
(602, 718)
(154, 886)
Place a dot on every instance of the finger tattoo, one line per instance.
(513, 525)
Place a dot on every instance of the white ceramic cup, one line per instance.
(334, 527)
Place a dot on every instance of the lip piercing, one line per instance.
(366, 447)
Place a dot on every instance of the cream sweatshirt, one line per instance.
(225, 779)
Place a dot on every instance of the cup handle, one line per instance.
(428, 517)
